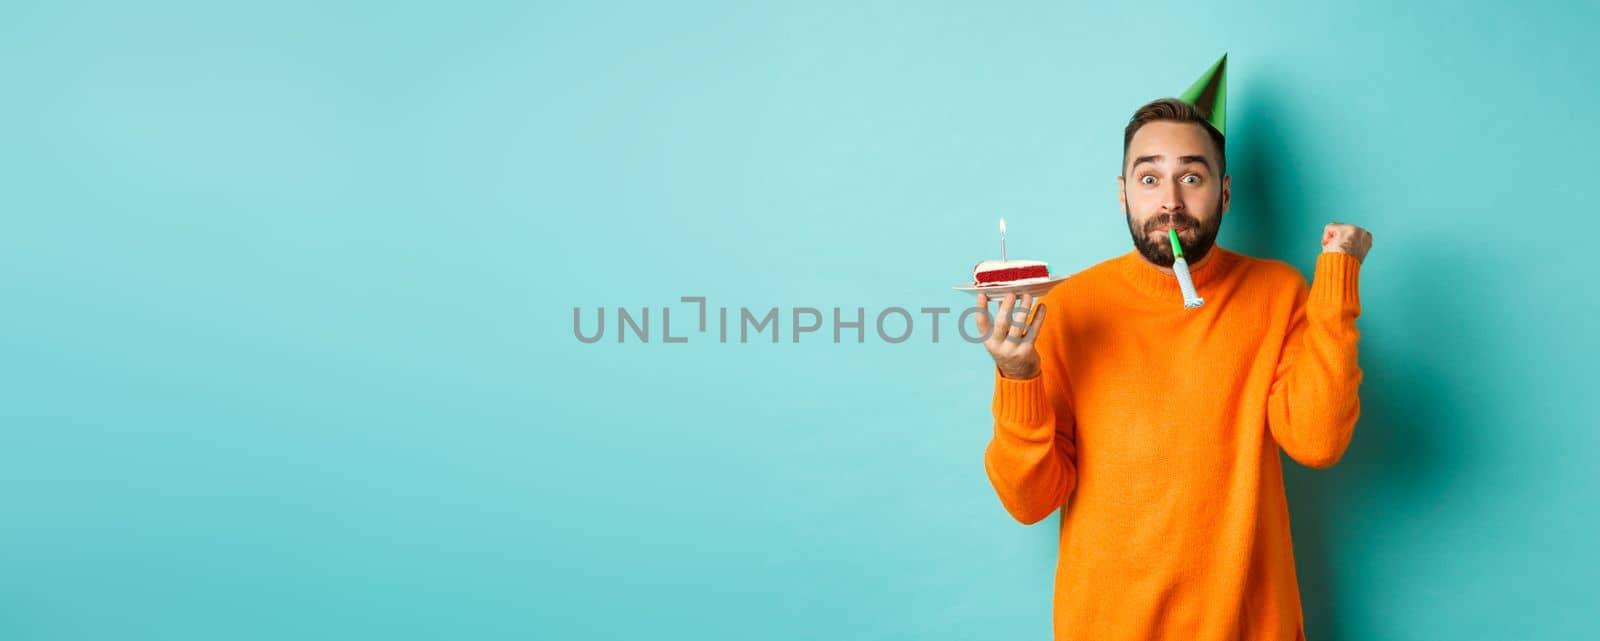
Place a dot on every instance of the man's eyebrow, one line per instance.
(1181, 160)
(1199, 159)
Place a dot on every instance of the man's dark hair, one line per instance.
(1178, 111)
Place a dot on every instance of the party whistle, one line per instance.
(1180, 267)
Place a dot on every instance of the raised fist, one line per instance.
(1346, 239)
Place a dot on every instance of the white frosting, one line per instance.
(993, 265)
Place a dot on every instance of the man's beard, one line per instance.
(1159, 251)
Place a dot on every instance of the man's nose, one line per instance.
(1172, 198)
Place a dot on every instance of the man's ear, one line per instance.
(1227, 192)
(1122, 194)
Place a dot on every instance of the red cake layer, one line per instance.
(1013, 273)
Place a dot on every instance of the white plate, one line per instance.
(1037, 288)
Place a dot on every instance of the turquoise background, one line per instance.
(289, 288)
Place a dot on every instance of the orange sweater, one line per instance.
(1158, 429)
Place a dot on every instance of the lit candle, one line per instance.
(1002, 239)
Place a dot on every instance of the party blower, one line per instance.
(1180, 267)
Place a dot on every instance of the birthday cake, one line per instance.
(1009, 272)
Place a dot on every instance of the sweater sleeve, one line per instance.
(1313, 405)
(1030, 459)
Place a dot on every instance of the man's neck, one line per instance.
(1193, 265)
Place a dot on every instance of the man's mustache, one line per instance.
(1170, 219)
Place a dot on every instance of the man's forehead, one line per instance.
(1169, 138)
(1164, 142)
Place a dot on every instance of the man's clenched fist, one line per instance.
(1346, 239)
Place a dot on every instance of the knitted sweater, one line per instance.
(1157, 429)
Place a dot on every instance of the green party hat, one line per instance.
(1210, 94)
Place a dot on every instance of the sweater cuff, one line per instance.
(1020, 403)
(1335, 286)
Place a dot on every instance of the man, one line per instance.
(1158, 428)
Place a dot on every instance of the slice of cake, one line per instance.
(1009, 272)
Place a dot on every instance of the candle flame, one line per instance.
(1002, 226)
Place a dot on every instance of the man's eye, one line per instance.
(1187, 179)
(1148, 180)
